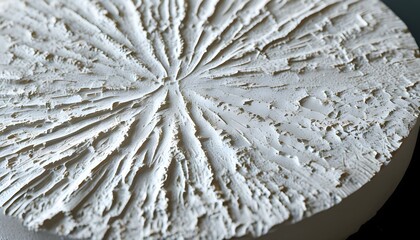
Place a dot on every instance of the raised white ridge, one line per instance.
(185, 118)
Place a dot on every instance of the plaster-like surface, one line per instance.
(127, 119)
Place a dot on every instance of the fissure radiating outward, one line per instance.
(211, 118)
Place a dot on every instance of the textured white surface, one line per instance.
(204, 118)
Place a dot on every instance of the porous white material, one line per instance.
(213, 118)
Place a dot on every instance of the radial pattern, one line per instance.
(196, 118)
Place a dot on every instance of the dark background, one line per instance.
(400, 213)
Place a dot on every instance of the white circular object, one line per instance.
(213, 119)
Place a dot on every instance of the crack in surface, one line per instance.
(213, 119)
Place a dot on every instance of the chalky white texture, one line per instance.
(184, 118)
